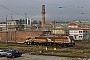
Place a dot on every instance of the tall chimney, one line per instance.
(43, 15)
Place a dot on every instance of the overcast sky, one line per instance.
(72, 9)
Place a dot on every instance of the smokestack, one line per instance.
(43, 15)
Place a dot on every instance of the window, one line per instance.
(83, 36)
(86, 31)
(80, 36)
(14, 23)
(10, 23)
(75, 31)
(80, 31)
(71, 38)
(83, 31)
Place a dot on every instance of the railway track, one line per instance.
(81, 49)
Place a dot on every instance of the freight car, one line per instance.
(53, 40)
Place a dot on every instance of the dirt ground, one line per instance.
(34, 57)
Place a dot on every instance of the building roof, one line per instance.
(79, 28)
(48, 24)
(73, 24)
(85, 26)
(12, 20)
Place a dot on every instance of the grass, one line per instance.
(3, 45)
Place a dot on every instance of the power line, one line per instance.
(58, 4)
(68, 7)
(11, 10)
(42, 2)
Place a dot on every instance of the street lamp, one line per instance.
(54, 27)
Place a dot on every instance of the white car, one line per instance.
(2, 53)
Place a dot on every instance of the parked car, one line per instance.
(2, 53)
(13, 54)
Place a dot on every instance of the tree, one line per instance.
(34, 22)
(39, 22)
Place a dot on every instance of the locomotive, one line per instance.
(50, 40)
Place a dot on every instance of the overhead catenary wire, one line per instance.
(42, 2)
(11, 10)
(59, 4)
(75, 8)
(68, 7)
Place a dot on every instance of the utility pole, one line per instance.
(25, 20)
(6, 31)
(25, 23)
(11, 17)
(54, 26)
